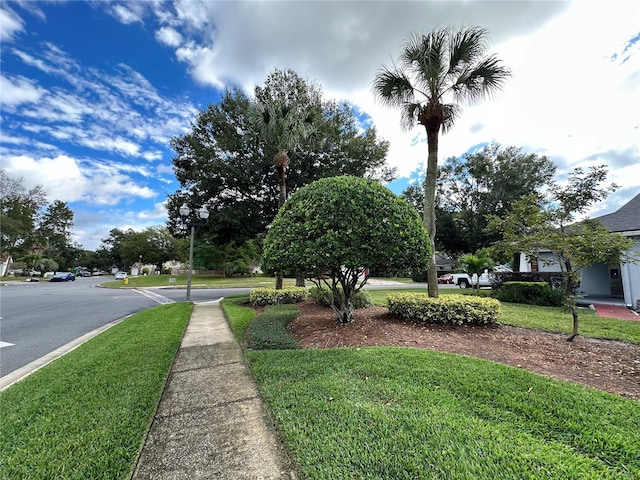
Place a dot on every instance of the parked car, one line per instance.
(83, 273)
(121, 275)
(446, 278)
(63, 277)
(28, 273)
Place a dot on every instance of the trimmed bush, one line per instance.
(270, 296)
(420, 277)
(554, 279)
(531, 293)
(447, 309)
(269, 329)
(324, 297)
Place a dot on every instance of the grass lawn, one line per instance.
(548, 319)
(402, 413)
(380, 413)
(85, 415)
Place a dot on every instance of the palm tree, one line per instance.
(285, 110)
(285, 107)
(438, 71)
(476, 265)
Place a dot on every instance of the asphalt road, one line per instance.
(39, 317)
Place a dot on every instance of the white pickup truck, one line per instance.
(464, 280)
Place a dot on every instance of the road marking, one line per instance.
(156, 297)
(5, 344)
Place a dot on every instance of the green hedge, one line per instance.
(324, 297)
(452, 309)
(269, 329)
(531, 293)
(271, 296)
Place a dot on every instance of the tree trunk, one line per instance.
(430, 207)
(300, 279)
(283, 198)
(574, 332)
(568, 290)
(342, 308)
(282, 182)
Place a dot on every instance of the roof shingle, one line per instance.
(625, 219)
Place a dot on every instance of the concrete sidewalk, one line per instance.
(211, 422)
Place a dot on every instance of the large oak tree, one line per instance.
(226, 163)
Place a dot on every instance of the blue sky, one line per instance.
(92, 92)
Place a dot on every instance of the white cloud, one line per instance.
(169, 37)
(129, 14)
(10, 23)
(18, 90)
(159, 213)
(70, 180)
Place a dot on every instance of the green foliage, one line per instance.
(227, 160)
(324, 296)
(476, 264)
(335, 228)
(345, 222)
(271, 296)
(453, 309)
(29, 223)
(269, 329)
(488, 182)
(554, 279)
(531, 293)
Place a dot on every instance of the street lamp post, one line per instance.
(203, 213)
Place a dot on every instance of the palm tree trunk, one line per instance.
(281, 199)
(282, 175)
(430, 207)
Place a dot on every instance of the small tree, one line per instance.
(532, 228)
(476, 265)
(336, 229)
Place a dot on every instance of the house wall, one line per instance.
(546, 263)
(595, 280)
(631, 278)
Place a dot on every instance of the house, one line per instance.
(618, 281)
(444, 263)
(600, 280)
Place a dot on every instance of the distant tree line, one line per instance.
(33, 231)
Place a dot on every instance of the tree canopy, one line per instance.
(155, 244)
(478, 184)
(536, 225)
(226, 162)
(335, 229)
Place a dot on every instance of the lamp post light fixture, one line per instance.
(203, 213)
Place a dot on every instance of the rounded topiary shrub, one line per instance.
(336, 229)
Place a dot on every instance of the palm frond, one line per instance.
(423, 56)
(466, 46)
(481, 80)
(451, 114)
(393, 87)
